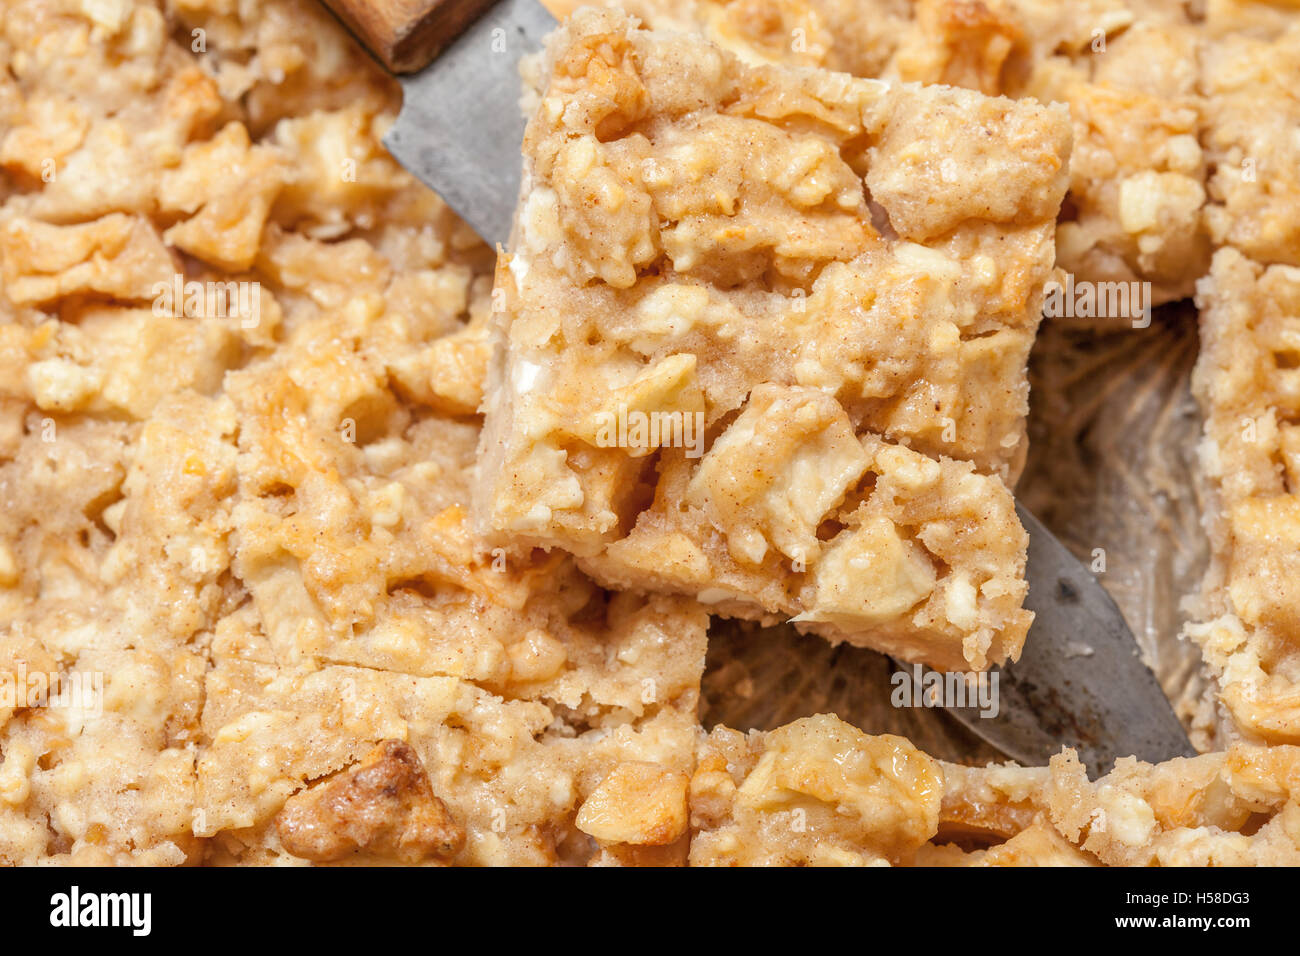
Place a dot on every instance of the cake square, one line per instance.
(419, 702)
(761, 339)
(820, 792)
(1129, 74)
(1249, 461)
(1249, 65)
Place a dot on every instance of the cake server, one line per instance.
(1080, 682)
(460, 127)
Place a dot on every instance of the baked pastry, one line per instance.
(848, 36)
(1248, 65)
(1249, 631)
(742, 382)
(518, 686)
(815, 792)
(1128, 72)
(820, 792)
(1132, 226)
(1231, 808)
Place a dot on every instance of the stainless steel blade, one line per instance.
(460, 127)
(1081, 681)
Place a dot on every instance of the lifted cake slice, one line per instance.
(762, 338)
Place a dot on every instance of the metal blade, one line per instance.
(1081, 681)
(461, 128)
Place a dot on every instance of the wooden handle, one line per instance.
(405, 35)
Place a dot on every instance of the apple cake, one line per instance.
(1249, 66)
(1245, 380)
(1132, 226)
(1128, 72)
(819, 791)
(849, 36)
(517, 688)
(750, 382)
